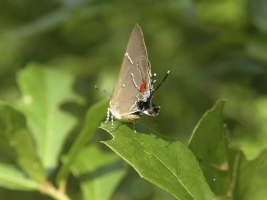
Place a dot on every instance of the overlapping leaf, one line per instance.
(17, 143)
(13, 178)
(98, 172)
(93, 118)
(226, 169)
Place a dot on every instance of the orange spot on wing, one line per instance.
(143, 86)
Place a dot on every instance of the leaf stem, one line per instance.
(49, 189)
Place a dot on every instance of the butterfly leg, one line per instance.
(134, 127)
(108, 116)
(108, 113)
(112, 124)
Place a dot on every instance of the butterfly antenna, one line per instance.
(103, 91)
(167, 74)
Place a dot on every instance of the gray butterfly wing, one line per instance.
(134, 81)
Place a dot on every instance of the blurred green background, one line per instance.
(214, 49)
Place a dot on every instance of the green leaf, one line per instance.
(16, 142)
(209, 145)
(93, 118)
(43, 90)
(208, 135)
(13, 178)
(245, 171)
(227, 170)
(98, 173)
(161, 160)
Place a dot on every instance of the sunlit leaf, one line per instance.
(43, 90)
(161, 160)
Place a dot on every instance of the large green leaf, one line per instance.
(163, 161)
(17, 143)
(208, 135)
(43, 90)
(93, 118)
(12, 178)
(209, 145)
(98, 172)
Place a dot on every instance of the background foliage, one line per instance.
(214, 49)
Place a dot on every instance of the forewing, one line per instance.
(135, 71)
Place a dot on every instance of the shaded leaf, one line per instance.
(227, 170)
(43, 90)
(17, 143)
(161, 160)
(98, 173)
(93, 118)
(245, 172)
